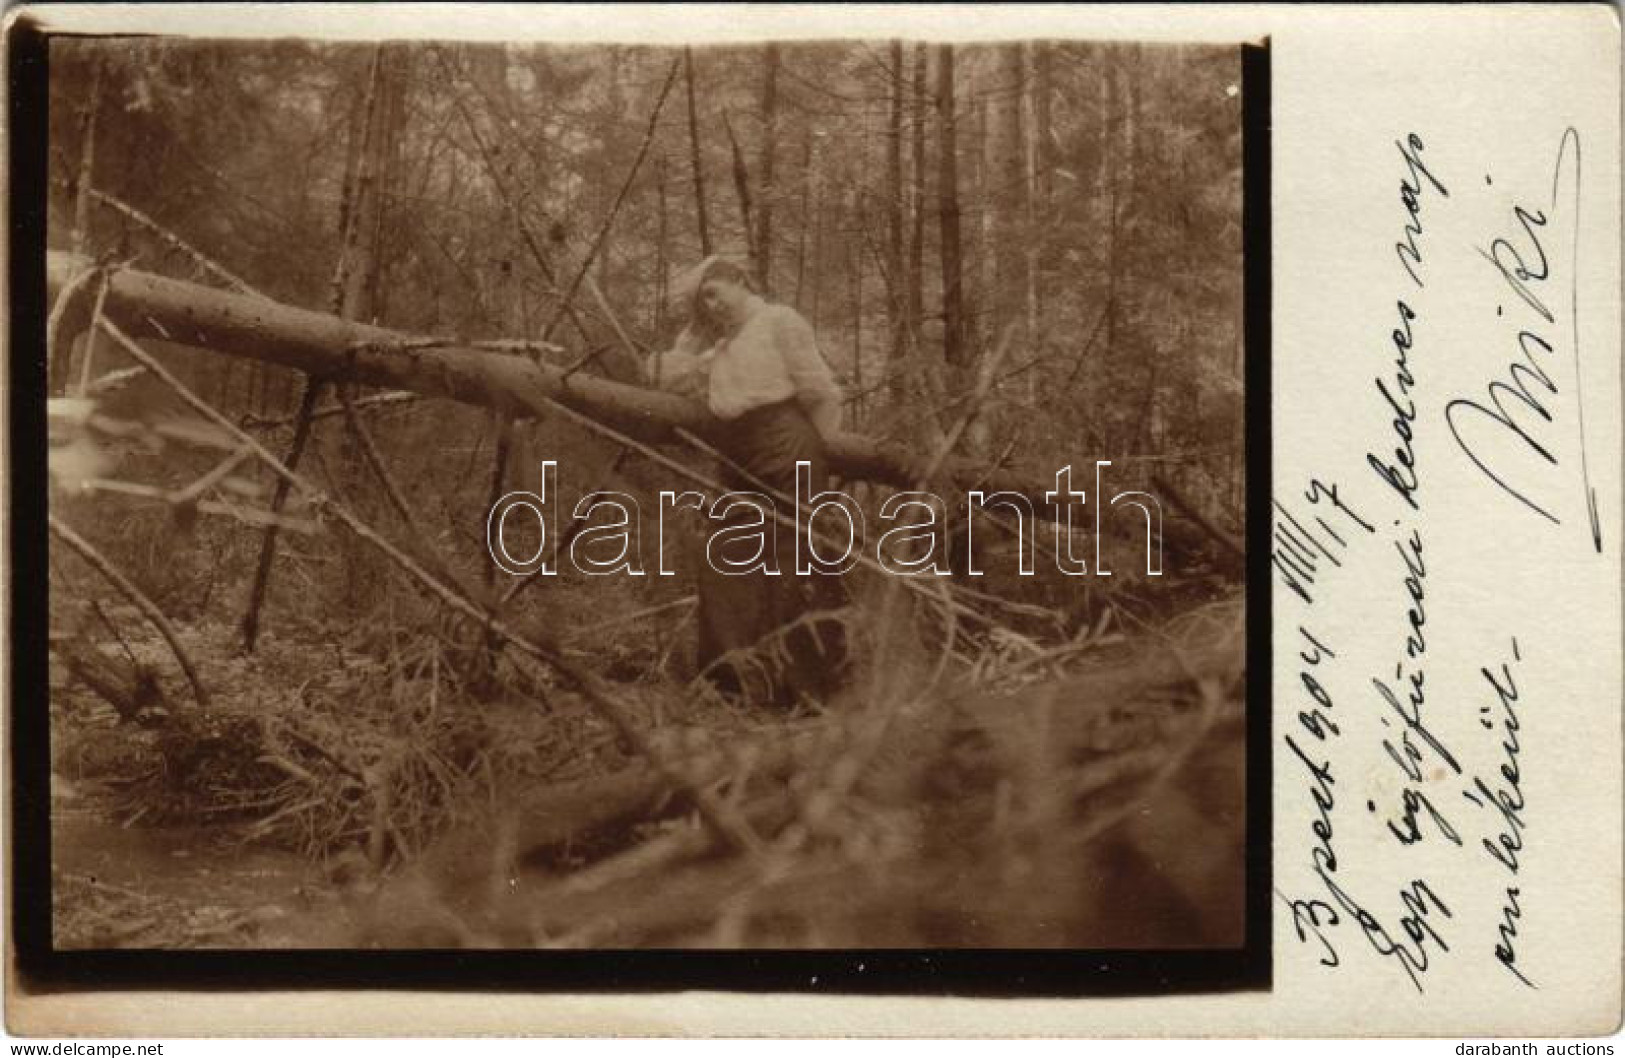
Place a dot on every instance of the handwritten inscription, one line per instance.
(1391, 739)
(1412, 935)
(1398, 469)
(1502, 797)
(1417, 180)
(1411, 938)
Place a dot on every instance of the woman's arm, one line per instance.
(814, 383)
(683, 370)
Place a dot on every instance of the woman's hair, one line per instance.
(727, 270)
(700, 322)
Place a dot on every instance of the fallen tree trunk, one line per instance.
(1087, 722)
(152, 306)
(1129, 752)
(128, 688)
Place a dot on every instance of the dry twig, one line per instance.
(210, 266)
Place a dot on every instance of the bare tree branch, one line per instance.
(148, 608)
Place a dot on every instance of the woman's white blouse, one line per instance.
(773, 357)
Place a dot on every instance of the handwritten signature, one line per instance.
(1506, 433)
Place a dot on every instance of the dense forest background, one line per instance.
(1072, 208)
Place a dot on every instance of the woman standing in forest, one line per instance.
(757, 367)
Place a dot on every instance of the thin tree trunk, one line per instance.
(1111, 267)
(806, 218)
(262, 390)
(360, 106)
(765, 191)
(856, 258)
(605, 264)
(1105, 99)
(1044, 139)
(953, 308)
(363, 268)
(351, 294)
(1131, 149)
(819, 195)
(502, 428)
(398, 70)
(87, 164)
(250, 373)
(1110, 179)
(916, 239)
(1131, 123)
(1011, 189)
(355, 207)
(58, 371)
(1032, 234)
(896, 305)
(60, 368)
(279, 500)
(989, 296)
(662, 280)
(694, 155)
(742, 189)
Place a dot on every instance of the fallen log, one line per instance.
(1128, 776)
(1083, 721)
(607, 805)
(151, 306)
(128, 688)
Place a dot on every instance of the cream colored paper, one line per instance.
(1489, 94)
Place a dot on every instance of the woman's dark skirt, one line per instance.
(766, 637)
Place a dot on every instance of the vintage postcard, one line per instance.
(826, 518)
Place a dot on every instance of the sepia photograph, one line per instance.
(627, 497)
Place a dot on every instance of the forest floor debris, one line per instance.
(1098, 804)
